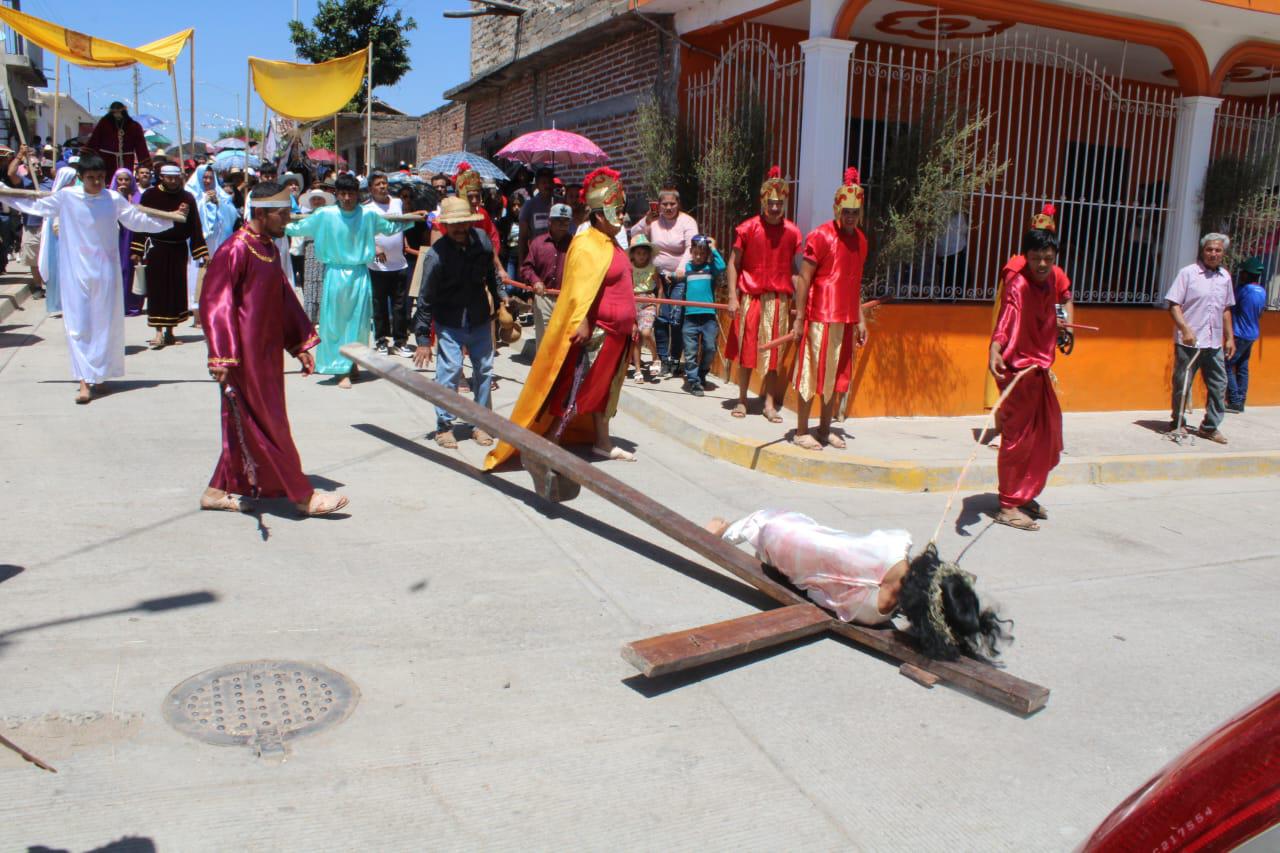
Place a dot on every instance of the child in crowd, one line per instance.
(646, 281)
(703, 274)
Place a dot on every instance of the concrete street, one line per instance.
(482, 629)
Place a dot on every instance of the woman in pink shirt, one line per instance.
(671, 231)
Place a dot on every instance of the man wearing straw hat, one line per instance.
(457, 296)
(1023, 347)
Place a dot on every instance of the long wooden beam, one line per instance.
(549, 463)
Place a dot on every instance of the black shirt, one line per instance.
(459, 285)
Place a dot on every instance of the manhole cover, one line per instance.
(260, 703)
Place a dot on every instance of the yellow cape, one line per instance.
(590, 255)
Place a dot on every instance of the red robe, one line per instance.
(614, 313)
(1030, 418)
(766, 262)
(824, 362)
(121, 146)
(250, 316)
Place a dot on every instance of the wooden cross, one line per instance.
(559, 475)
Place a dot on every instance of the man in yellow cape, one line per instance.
(586, 284)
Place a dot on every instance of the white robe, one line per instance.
(89, 272)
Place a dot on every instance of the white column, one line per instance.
(1192, 139)
(823, 127)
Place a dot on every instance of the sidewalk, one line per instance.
(927, 454)
(15, 289)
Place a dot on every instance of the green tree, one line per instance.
(341, 27)
(238, 131)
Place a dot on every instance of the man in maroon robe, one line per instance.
(120, 140)
(250, 315)
(1023, 347)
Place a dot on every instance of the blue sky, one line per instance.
(229, 31)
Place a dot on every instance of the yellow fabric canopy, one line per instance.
(307, 92)
(90, 52)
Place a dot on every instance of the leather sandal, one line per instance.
(224, 502)
(322, 503)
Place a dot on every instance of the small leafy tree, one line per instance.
(658, 134)
(931, 169)
(322, 139)
(1239, 200)
(341, 27)
(732, 164)
(255, 135)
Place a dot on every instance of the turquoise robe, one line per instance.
(344, 244)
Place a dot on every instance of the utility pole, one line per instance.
(137, 106)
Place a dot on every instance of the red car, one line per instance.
(1219, 794)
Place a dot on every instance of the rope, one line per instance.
(990, 423)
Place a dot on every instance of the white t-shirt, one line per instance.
(391, 245)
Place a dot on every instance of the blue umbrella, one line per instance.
(148, 121)
(448, 164)
(228, 159)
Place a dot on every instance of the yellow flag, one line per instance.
(307, 92)
(89, 51)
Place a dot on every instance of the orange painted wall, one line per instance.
(930, 359)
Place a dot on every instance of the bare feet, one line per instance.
(740, 410)
(771, 414)
(345, 382)
(1014, 517)
(612, 453)
(832, 439)
(84, 394)
(806, 442)
(322, 503)
(716, 526)
(218, 500)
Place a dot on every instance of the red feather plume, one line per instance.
(851, 176)
(464, 166)
(775, 171)
(603, 171)
(1049, 210)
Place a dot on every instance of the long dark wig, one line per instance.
(945, 614)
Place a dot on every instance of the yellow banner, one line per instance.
(90, 52)
(308, 92)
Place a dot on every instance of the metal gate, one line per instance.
(1250, 131)
(752, 68)
(1095, 145)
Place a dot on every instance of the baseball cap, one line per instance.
(561, 211)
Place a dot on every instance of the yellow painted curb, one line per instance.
(782, 459)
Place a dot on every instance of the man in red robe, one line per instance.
(250, 315)
(571, 392)
(120, 140)
(761, 285)
(1023, 347)
(828, 313)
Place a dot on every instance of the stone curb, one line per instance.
(10, 302)
(782, 459)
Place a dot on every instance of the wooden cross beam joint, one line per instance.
(559, 476)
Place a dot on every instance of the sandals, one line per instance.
(833, 440)
(223, 502)
(806, 442)
(740, 410)
(444, 438)
(322, 503)
(1018, 522)
(772, 416)
(481, 437)
(613, 453)
(1033, 509)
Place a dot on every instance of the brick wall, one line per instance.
(594, 94)
(493, 38)
(440, 131)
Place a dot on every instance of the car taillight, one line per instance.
(1219, 793)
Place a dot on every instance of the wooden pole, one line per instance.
(336, 156)
(13, 111)
(57, 96)
(191, 57)
(368, 121)
(177, 112)
(262, 152)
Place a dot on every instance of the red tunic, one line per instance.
(614, 312)
(836, 290)
(767, 254)
(1030, 418)
(250, 316)
(122, 146)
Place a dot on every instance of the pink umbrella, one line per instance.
(559, 147)
(321, 155)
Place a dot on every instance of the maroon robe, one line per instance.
(614, 312)
(122, 146)
(1030, 418)
(250, 316)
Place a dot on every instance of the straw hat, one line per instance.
(308, 201)
(455, 210)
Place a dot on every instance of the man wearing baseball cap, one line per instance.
(544, 262)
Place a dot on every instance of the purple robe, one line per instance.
(250, 316)
(128, 189)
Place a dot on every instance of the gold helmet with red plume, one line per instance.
(849, 195)
(775, 187)
(1043, 221)
(466, 180)
(602, 191)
